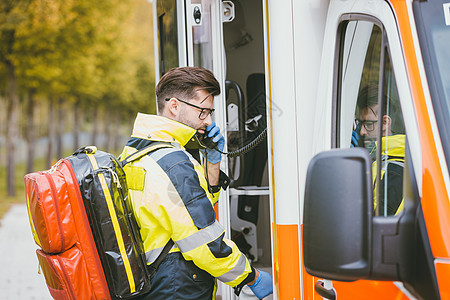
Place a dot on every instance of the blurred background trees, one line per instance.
(72, 73)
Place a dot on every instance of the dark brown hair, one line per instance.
(183, 82)
(368, 98)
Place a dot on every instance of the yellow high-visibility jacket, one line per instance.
(392, 165)
(171, 200)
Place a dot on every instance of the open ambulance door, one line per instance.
(226, 37)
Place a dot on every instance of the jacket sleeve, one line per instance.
(195, 229)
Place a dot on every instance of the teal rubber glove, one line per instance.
(263, 286)
(212, 155)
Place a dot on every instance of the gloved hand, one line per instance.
(355, 136)
(355, 139)
(212, 155)
(263, 286)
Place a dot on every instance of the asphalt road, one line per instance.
(19, 278)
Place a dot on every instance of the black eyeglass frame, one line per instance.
(368, 124)
(209, 111)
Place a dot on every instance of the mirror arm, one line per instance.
(393, 247)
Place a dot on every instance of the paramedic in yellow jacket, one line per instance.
(392, 150)
(173, 194)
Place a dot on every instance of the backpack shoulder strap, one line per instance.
(144, 151)
(154, 266)
(132, 157)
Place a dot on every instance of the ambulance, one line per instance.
(306, 203)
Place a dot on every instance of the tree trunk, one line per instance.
(109, 128)
(51, 131)
(94, 125)
(76, 125)
(116, 123)
(3, 127)
(60, 129)
(12, 130)
(30, 131)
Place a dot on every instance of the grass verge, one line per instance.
(20, 197)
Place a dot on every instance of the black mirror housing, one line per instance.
(339, 190)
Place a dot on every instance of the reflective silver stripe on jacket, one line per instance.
(201, 237)
(385, 164)
(234, 273)
(157, 155)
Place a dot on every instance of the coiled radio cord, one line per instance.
(248, 147)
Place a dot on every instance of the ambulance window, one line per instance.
(368, 111)
(202, 35)
(167, 35)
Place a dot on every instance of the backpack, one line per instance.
(82, 220)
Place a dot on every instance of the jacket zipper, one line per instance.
(66, 277)
(86, 223)
(55, 201)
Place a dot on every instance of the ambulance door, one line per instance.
(227, 38)
(368, 114)
(372, 109)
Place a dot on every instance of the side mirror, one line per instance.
(337, 222)
(342, 240)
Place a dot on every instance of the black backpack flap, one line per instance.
(105, 194)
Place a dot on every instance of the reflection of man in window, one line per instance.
(393, 146)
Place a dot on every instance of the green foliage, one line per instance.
(94, 51)
(88, 53)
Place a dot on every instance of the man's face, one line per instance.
(191, 116)
(369, 121)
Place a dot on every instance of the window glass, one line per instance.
(369, 111)
(433, 24)
(167, 35)
(202, 37)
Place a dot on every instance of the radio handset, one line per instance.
(205, 141)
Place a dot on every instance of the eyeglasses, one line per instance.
(369, 125)
(204, 112)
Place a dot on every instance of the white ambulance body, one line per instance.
(299, 68)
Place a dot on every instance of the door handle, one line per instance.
(323, 291)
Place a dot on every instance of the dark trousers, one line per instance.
(178, 279)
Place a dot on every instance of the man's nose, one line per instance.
(363, 130)
(208, 120)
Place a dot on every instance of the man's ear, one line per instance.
(172, 108)
(387, 121)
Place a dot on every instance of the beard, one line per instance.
(187, 121)
(370, 145)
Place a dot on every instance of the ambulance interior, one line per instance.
(246, 121)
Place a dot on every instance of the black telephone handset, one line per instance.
(202, 141)
(205, 141)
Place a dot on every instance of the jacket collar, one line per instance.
(159, 128)
(394, 145)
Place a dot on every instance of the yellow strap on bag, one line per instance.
(110, 203)
(33, 230)
(115, 222)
